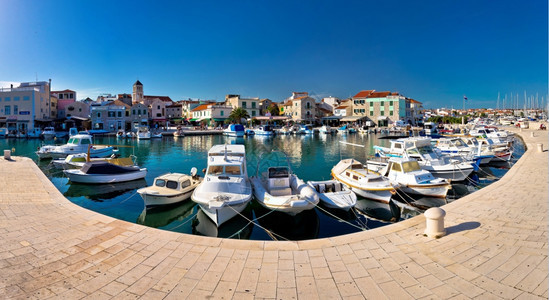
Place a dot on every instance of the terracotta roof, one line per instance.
(379, 94)
(340, 107)
(414, 101)
(289, 103)
(163, 98)
(363, 94)
(201, 107)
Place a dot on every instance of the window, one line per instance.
(371, 104)
(127, 113)
(70, 108)
(185, 184)
(99, 115)
(232, 170)
(382, 113)
(243, 104)
(253, 104)
(171, 184)
(133, 111)
(120, 114)
(382, 103)
(7, 110)
(7, 99)
(158, 107)
(26, 98)
(111, 114)
(215, 170)
(0, 99)
(60, 96)
(221, 113)
(15, 110)
(16, 98)
(371, 113)
(396, 168)
(71, 96)
(390, 103)
(253, 113)
(391, 113)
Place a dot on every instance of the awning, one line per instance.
(77, 118)
(382, 118)
(193, 119)
(219, 120)
(332, 118)
(352, 118)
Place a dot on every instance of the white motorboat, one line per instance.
(48, 133)
(234, 130)
(334, 194)
(179, 132)
(280, 190)
(225, 190)
(264, 130)
(143, 133)
(410, 178)
(363, 182)
(326, 129)
(169, 189)
(456, 147)
(285, 130)
(104, 172)
(157, 135)
(120, 134)
(77, 144)
(422, 150)
(305, 129)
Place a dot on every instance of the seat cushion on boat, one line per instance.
(321, 187)
(337, 187)
(103, 167)
(284, 191)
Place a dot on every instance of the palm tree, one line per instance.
(237, 114)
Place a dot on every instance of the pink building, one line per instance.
(64, 99)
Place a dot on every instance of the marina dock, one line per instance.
(496, 246)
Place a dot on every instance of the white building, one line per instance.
(25, 107)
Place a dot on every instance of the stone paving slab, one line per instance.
(496, 247)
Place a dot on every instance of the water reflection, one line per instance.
(378, 211)
(100, 192)
(159, 217)
(281, 226)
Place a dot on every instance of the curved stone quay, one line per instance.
(495, 246)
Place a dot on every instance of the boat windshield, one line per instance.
(459, 143)
(171, 184)
(160, 182)
(220, 170)
(410, 166)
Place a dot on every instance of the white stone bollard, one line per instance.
(540, 147)
(532, 134)
(434, 222)
(7, 154)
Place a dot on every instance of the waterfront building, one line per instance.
(187, 106)
(174, 112)
(213, 114)
(382, 108)
(78, 109)
(158, 112)
(136, 115)
(126, 98)
(110, 116)
(251, 105)
(25, 107)
(300, 107)
(330, 103)
(343, 110)
(263, 105)
(106, 98)
(64, 98)
(53, 106)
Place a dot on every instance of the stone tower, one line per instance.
(137, 94)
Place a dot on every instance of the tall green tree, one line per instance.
(238, 114)
(273, 109)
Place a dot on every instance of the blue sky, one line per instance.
(431, 51)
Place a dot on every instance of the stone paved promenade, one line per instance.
(496, 247)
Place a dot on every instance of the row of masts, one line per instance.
(532, 102)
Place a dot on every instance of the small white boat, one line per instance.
(325, 129)
(169, 189)
(120, 134)
(225, 190)
(76, 144)
(334, 194)
(285, 130)
(157, 135)
(77, 161)
(264, 130)
(143, 133)
(277, 188)
(410, 178)
(234, 130)
(104, 172)
(34, 133)
(130, 134)
(363, 182)
(305, 129)
(178, 132)
(48, 133)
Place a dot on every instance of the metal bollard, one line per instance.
(540, 147)
(434, 222)
(7, 154)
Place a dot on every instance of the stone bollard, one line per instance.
(7, 154)
(540, 147)
(532, 134)
(434, 222)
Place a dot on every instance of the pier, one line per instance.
(496, 246)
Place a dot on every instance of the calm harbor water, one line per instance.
(311, 158)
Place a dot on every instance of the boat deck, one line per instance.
(496, 247)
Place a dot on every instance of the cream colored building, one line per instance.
(251, 105)
(382, 108)
(212, 113)
(300, 107)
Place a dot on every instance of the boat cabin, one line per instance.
(173, 182)
(80, 139)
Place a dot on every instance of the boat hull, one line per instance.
(438, 191)
(154, 200)
(101, 152)
(220, 215)
(76, 175)
(290, 204)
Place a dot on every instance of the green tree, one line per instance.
(273, 109)
(238, 114)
